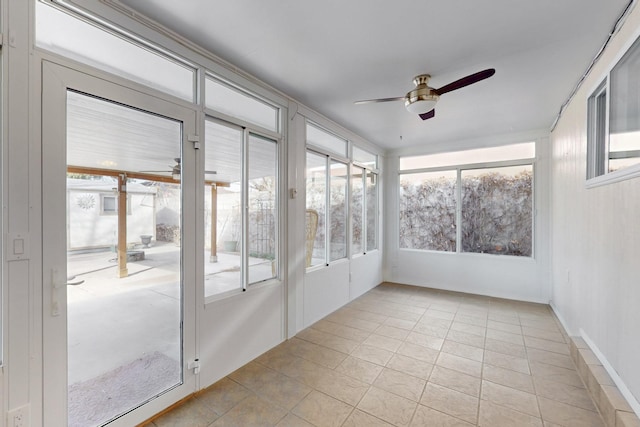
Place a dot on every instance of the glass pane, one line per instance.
(364, 157)
(235, 103)
(222, 208)
(116, 55)
(596, 132)
(338, 212)
(497, 207)
(525, 150)
(330, 142)
(428, 211)
(263, 209)
(316, 199)
(125, 308)
(624, 122)
(356, 210)
(372, 211)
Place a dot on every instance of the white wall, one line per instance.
(230, 331)
(322, 290)
(235, 330)
(596, 238)
(492, 275)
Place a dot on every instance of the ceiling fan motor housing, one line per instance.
(423, 98)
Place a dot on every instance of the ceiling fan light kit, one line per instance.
(423, 98)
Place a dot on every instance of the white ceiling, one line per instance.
(327, 54)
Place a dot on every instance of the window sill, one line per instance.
(214, 299)
(613, 177)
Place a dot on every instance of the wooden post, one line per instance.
(214, 223)
(122, 226)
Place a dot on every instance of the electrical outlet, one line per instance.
(19, 417)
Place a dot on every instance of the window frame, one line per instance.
(247, 133)
(114, 212)
(594, 153)
(225, 116)
(458, 168)
(248, 129)
(333, 156)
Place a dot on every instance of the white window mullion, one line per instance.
(459, 211)
(327, 211)
(244, 203)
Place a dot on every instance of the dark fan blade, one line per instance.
(369, 101)
(211, 172)
(428, 114)
(466, 81)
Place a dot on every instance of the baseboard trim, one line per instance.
(622, 387)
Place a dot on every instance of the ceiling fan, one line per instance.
(175, 170)
(422, 99)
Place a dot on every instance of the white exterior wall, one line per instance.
(501, 276)
(596, 239)
(90, 228)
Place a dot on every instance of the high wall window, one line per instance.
(451, 203)
(232, 101)
(341, 198)
(118, 54)
(613, 134)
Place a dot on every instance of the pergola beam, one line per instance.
(123, 271)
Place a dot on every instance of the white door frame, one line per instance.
(56, 80)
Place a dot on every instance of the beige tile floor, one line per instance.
(407, 356)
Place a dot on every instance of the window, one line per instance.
(371, 210)
(469, 207)
(364, 157)
(237, 103)
(241, 207)
(109, 204)
(597, 133)
(316, 199)
(624, 117)
(613, 134)
(428, 211)
(338, 213)
(497, 210)
(350, 191)
(357, 210)
(325, 140)
(118, 54)
(364, 208)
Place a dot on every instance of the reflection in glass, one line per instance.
(222, 197)
(326, 140)
(124, 323)
(624, 115)
(316, 200)
(356, 210)
(237, 103)
(262, 208)
(116, 54)
(372, 208)
(338, 212)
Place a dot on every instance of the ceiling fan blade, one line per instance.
(370, 101)
(428, 114)
(211, 172)
(466, 81)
